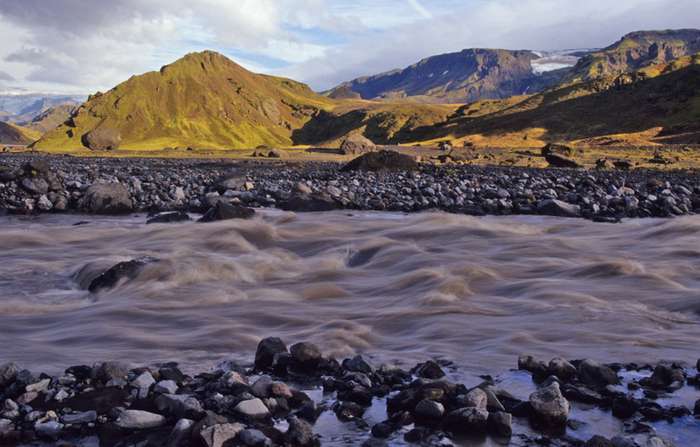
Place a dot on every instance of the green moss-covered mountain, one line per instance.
(466, 76)
(203, 100)
(636, 51)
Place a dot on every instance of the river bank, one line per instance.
(61, 183)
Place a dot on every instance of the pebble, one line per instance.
(139, 420)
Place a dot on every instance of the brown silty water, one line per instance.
(402, 288)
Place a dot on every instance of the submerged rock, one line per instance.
(226, 211)
(123, 270)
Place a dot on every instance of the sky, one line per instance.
(83, 46)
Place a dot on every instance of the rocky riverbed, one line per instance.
(34, 183)
(296, 396)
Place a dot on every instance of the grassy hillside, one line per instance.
(203, 100)
(12, 134)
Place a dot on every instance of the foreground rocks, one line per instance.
(376, 180)
(270, 403)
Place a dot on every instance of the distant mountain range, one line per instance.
(646, 80)
(22, 108)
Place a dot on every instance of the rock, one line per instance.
(562, 369)
(309, 203)
(429, 410)
(181, 434)
(35, 186)
(445, 146)
(169, 217)
(252, 408)
(300, 433)
(44, 204)
(604, 163)
(143, 383)
(560, 161)
(306, 355)
(277, 153)
(261, 387)
(225, 211)
(357, 144)
(550, 407)
(357, 364)
(112, 371)
(594, 374)
(429, 370)
(500, 424)
(80, 418)
(280, 389)
(554, 207)
(266, 351)
(696, 408)
(558, 149)
(179, 405)
(139, 420)
(624, 407)
(470, 420)
(107, 198)
(348, 411)
(123, 270)
(598, 441)
(165, 387)
(218, 435)
(623, 165)
(254, 438)
(382, 160)
(665, 376)
(6, 426)
(102, 139)
(476, 398)
(8, 373)
(48, 429)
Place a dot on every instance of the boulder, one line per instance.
(470, 420)
(169, 217)
(107, 198)
(500, 424)
(309, 203)
(357, 144)
(554, 207)
(252, 408)
(102, 139)
(219, 435)
(561, 161)
(306, 355)
(382, 160)
(604, 163)
(122, 270)
(179, 405)
(139, 420)
(594, 374)
(558, 149)
(429, 410)
(266, 351)
(226, 211)
(549, 406)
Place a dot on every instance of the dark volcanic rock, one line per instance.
(107, 198)
(382, 160)
(225, 211)
(128, 270)
(267, 349)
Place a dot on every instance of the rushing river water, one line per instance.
(478, 291)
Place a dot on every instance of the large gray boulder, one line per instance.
(107, 198)
(357, 144)
(102, 139)
(549, 406)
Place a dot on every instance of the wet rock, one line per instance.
(429, 370)
(382, 160)
(550, 407)
(429, 410)
(179, 405)
(306, 355)
(169, 217)
(254, 438)
(108, 371)
(123, 270)
(181, 434)
(220, 434)
(266, 351)
(665, 376)
(300, 433)
(554, 207)
(624, 407)
(226, 211)
(84, 417)
(476, 398)
(107, 198)
(500, 424)
(348, 411)
(48, 429)
(532, 365)
(165, 387)
(357, 364)
(309, 203)
(8, 373)
(139, 420)
(599, 441)
(252, 408)
(470, 420)
(594, 374)
(357, 144)
(562, 369)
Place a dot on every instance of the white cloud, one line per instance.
(85, 45)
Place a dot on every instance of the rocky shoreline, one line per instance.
(38, 183)
(289, 397)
